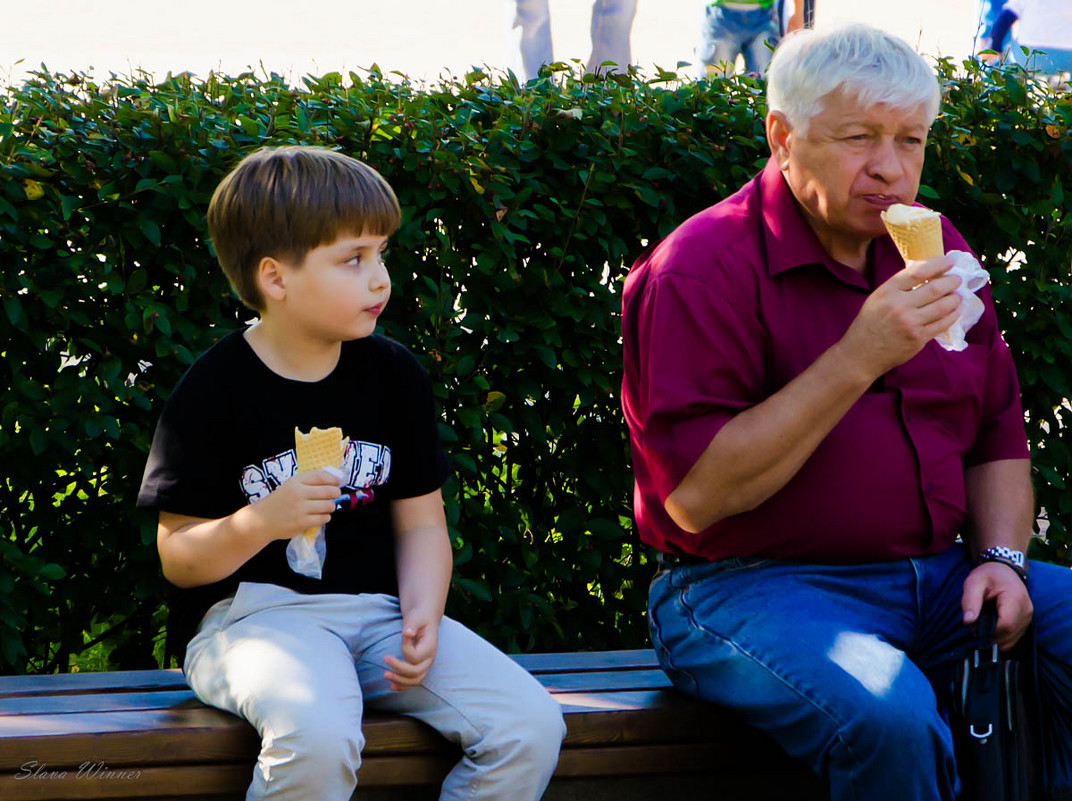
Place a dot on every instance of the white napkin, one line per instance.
(972, 278)
(306, 555)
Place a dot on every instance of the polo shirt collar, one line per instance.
(791, 242)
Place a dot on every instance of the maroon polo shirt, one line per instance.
(735, 303)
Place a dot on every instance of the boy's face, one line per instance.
(339, 289)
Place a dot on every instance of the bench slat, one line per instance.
(234, 777)
(199, 734)
(623, 719)
(77, 683)
(172, 679)
(166, 699)
(587, 660)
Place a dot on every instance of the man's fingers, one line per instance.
(971, 602)
(941, 314)
(916, 272)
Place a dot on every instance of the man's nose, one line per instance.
(885, 163)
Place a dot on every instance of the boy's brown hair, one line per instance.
(283, 202)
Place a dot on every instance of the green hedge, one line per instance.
(523, 208)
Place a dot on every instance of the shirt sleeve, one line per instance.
(697, 349)
(419, 464)
(1001, 432)
(183, 473)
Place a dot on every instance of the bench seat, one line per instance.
(143, 734)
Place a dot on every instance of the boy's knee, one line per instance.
(534, 729)
(318, 756)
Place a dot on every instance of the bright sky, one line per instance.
(418, 37)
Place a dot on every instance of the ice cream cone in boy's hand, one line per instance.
(320, 448)
(917, 232)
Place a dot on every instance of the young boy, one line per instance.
(300, 233)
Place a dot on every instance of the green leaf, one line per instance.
(150, 229)
(52, 572)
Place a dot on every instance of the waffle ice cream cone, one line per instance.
(320, 448)
(917, 232)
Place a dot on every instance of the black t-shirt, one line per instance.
(226, 439)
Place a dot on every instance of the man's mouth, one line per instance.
(881, 201)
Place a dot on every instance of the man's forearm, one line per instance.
(756, 453)
(1001, 505)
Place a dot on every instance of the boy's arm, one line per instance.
(425, 561)
(195, 551)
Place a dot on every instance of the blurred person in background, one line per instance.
(747, 28)
(529, 35)
(1037, 25)
(986, 16)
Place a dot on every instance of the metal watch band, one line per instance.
(1007, 556)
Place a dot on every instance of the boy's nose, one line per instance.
(380, 279)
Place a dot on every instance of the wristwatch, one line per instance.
(1007, 556)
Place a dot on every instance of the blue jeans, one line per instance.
(529, 34)
(725, 32)
(844, 665)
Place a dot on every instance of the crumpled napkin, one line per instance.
(306, 555)
(972, 278)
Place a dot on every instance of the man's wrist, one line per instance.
(1015, 560)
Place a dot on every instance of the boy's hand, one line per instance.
(304, 501)
(420, 639)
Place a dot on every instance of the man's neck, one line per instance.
(290, 355)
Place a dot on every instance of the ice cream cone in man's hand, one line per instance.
(916, 231)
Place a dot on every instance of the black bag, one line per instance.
(993, 720)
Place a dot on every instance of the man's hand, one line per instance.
(420, 639)
(902, 316)
(998, 581)
(304, 501)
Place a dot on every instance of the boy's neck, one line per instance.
(290, 356)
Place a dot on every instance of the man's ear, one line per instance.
(271, 279)
(778, 131)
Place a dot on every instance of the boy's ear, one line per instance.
(270, 279)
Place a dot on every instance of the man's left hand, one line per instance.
(1000, 582)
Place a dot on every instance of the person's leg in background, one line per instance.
(528, 24)
(612, 27)
(766, 33)
(723, 34)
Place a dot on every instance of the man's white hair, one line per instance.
(866, 64)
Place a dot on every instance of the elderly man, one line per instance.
(806, 455)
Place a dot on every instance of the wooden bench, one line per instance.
(142, 734)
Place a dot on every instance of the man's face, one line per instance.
(853, 162)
